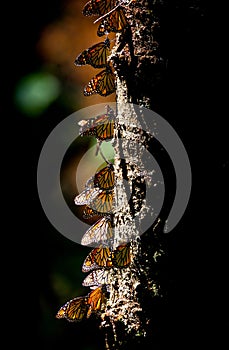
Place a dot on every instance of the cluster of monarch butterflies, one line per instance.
(99, 262)
(98, 201)
(112, 19)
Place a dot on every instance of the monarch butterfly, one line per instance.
(96, 300)
(104, 179)
(122, 255)
(86, 196)
(102, 126)
(99, 201)
(98, 257)
(105, 257)
(81, 307)
(74, 310)
(97, 278)
(102, 130)
(98, 7)
(95, 55)
(100, 233)
(105, 131)
(103, 83)
(114, 22)
(103, 202)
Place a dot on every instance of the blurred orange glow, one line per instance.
(61, 41)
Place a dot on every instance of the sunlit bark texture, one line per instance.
(136, 291)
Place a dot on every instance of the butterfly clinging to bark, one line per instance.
(103, 83)
(96, 55)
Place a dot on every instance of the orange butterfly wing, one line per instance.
(103, 84)
(102, 126)
(74, 310)
(115, 22)
(96, 300)
(98, 7)
(98, 257)
(104, 179)
(122, 256)
(103, 202)
(105, 131)
(95, 55)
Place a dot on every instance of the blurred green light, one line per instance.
(35, 92)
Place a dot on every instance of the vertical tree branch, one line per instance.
(138, 66)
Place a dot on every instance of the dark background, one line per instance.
(43, 267)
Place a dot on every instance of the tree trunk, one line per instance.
(136, 292)
(138, 301)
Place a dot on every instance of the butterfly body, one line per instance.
(90, 213)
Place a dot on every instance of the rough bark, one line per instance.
(138, 295)
(138, 67)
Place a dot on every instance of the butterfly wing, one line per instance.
(122, 255)
(99, 233)
(103, 257)
(107, 83)
(102, 126)
(104, 179)
(89, 262)
(115, 22)
(74, 310)
(96, 300)
(97, 278)
(103, 203)
(89, 128)
(103, 84)
(98, 257)
(86, 196)
(96, 55)
(98, 7)
(61, 312)
(105, 131)
(105, 128)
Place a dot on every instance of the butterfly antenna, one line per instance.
(102, 155)
(97, 148)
